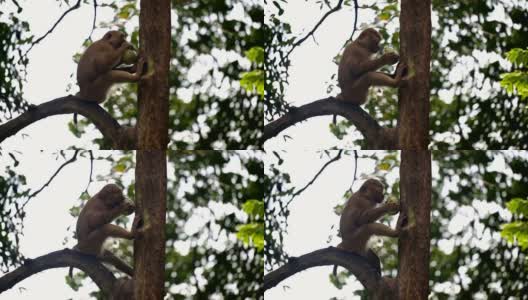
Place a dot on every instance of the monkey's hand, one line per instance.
(137, 226)
(390, 58)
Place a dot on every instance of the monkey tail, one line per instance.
(335, 270)
(70, 273)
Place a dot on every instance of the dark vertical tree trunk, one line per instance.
(149, 250)
(415, 51)
(415, 169)
(151, 159)
(414, 245)
(153, 93)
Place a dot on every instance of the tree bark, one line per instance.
(414, 244)
(149, 247)
(415, 51)
(151, 159)
(153, 92)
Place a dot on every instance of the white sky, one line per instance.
(312, 217)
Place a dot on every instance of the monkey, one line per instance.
(93, 225)
(96, 71)
(357, 70)
(358, 221)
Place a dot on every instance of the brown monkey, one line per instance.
(358, 221)
(96, 71)
(93, 225)
(356, 72)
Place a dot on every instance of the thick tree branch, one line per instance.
(60, 259)
(376, 136)
(356, 264)
(121, 137)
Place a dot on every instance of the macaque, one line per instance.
(358, 221)
(93, 225)
(357, 70)
(96, 71)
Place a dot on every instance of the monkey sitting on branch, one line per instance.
(358, 221)
(93, 225)
(97, 69)
(357, 69)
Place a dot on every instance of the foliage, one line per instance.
(254, 80)
(12, 188)
(254, 231)
(518, 230)
(13, 32)
(517, 80)
(468, 110)
(277, 43)
(469, 192)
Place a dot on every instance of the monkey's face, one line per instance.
(115, 38)
(113, 200)
(370, 39)
(373, 190)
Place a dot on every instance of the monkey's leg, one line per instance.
(380, 79)
(115, 261)
(381, 230)
(370, 65)
(112, 230)
(371, 215)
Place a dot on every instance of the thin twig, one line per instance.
(300, 41)
(91, 170)
(355, 20)
(77, 5)
(94, 19)
(71, 160)
(355, 170)
(336, 158)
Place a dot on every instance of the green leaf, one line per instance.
(255, 55)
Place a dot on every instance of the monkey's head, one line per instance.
(111, 195)
(115, 38)
(370, 39)
(372, 189)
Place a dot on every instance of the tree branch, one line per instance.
(59, 259)
(356, 264)
(328, 13)
(121, 137)
(376, 136)
(334, 159)
(74, 7)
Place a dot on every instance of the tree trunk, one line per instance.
(151, 159)
(149, 249)
(415, 51)
(414, 244)
(153, 93)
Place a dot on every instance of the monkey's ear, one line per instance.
(107, 36)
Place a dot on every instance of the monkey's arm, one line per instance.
(373, 214)
(98, 219)
(110, 59)
(370, 65)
